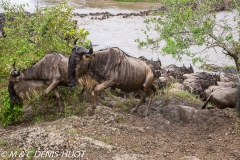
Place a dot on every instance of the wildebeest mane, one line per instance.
(72, 63)
(51, 52)
(113, 60)
(116, 48)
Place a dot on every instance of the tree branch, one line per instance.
(223, 45)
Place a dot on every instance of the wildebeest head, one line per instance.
(14, 78)
(78, 54)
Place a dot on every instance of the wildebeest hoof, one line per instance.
(91, 112)
(61, 110)
(145, 114)
(45, 93)
(109, 105)
(133, 110)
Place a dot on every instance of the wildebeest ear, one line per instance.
(89, 56)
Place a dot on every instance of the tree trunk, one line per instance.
(237, 63)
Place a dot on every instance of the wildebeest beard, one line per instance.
(13, 95)
(72, 81)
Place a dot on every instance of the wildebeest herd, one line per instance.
(112, 67)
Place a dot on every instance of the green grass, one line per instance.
(72, 131)
(184, 95)
(229, 67)
(48, 110)
(3, 142)
(106, 139)
(49, 35)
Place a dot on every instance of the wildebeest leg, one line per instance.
(51, 86)
(149, 93)
(97, 89)
(81, 94)
(147, 87)
(58, 99)
(142, 97)
(149, 104)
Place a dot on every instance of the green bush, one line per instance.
(10, 113)
(28, 38)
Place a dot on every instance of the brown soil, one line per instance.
(171, 131)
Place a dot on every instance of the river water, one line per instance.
(122, 32)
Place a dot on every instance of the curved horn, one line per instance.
(75, 41)
(14, 66)
(91, 48)
(159, 61)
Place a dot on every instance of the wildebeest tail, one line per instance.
(205, 104)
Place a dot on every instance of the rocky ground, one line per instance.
(173, 130)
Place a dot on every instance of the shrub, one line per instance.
(29, 36)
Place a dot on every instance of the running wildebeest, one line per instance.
(49, 72)
(111, 67)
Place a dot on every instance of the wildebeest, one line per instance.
(49, 72)
(197, 82)
(111, 67)
(223, 98)
(154, 65)
(176, 72)
(211, 89)
(164, 82)
(202, 75)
